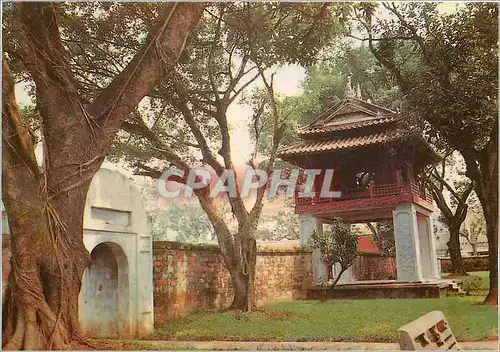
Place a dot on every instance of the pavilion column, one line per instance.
(406, 236)
(309, 224)
(347, 276)
(434, 257)
(430, 268)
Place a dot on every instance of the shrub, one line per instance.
(472, 286)
(338, 246)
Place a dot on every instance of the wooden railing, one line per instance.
(390, 190)
(371, 192)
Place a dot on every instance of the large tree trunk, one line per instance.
(457, 265)
(46, 207)
(243, 273)
(487, 192)
(40, 309)
(492, 234)
(488, 195)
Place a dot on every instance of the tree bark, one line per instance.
(491, 213)
(337, 278)
(457, 265)
(243, 285)
(243, 273)
(329, 271)
(486, 177)
(487, 191)
(41, 303)
(46, 206)
(453, 218)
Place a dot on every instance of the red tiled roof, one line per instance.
(312, 147)
(346, 126)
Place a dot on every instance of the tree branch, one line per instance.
(16, 135)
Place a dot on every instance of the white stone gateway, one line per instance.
(116, 299)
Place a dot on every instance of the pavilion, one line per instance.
(377, 161)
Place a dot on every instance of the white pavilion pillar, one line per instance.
(430, 267)
(433, 248)
(347, 276)
(309, 224)
(407, 243)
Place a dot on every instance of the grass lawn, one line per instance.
(483, 275)
(333, 320)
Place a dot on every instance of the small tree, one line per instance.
(322, 240)
(383, 235)
(451, 190)
(477, 228)
(338, 246)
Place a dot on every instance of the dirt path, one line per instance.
(236, 345)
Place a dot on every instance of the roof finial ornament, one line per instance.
(349, 91)
(358, 92)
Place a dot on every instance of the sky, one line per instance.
(287, 82)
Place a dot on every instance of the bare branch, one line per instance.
(163, 47)
(243, 87)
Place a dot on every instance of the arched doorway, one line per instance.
(105, 294)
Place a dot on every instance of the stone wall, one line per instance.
(478, 263)
(194, 277)
(370, 266)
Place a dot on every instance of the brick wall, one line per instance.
(191, 277)
(368, 266)
(478, 263)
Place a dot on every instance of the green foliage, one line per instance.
(472, 286)
(384, 238)
(282, 32)
(445, 64)
(375, 320)
(325, 84)
(226, 51)
(184, 222)
(100, 38)
(338, 246)
(322, 240)
(477, 283)
(279, 224)
(345, 243)
(32, 118)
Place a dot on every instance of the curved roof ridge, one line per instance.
(329, 114)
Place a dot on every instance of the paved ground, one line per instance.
(236, 345)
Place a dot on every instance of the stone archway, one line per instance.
(106, 295)
(115, 217)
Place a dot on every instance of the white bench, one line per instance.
(429, 332)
